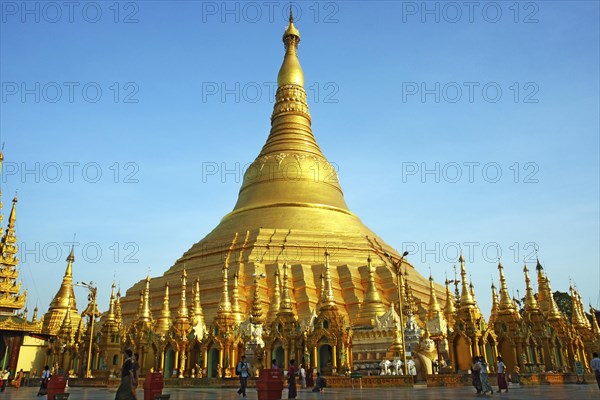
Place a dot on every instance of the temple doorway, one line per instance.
(325, 359)
(213, 363)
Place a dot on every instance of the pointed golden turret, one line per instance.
(327, 299)
(545, 297)
(66, 328)
(35, 314)
(495, 306)
(531, 303)
(140, 309)
(8, 243)
(61, 303)
(225, 304)
(276, 300)
(582, 310)
(238, 316)
(286, 301)
(450, 308)
(594, 324)
(466, 298)
(163, 323)
(197, 312)
(145, 314)
(578, 320)
(110, 315)
(506, 305)
(372, 306)
(182, 310)
(256, 317)
(434, 307)
(291, 72)
(118, 312)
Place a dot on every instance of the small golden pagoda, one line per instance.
(64, 301)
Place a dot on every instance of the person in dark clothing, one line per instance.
(128, 385)
(476, 375)
(320, 384)
(292, 393)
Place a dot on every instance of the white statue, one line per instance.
(397, 366)
(385, 367)
(412, 368)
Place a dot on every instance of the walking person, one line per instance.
(485, 380)
(320, 384)
(243, 370)
(595, 367)
(17, 381)
(126, 389)
(476, 375)
(44, 386)
(502, 384)
(291, 375)
(302, 377)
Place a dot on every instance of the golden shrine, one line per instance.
(291, 272)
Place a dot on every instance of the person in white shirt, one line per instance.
(502, 384)
(595, 367)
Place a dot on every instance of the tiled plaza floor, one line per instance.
(555, 392)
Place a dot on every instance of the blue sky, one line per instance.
(150, 94)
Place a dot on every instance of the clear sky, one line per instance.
(452, 125)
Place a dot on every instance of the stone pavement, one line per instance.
(554, 392)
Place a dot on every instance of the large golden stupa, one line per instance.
(290, 209)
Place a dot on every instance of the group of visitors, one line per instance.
(481, 380)
(5, 377)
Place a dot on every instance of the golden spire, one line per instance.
(197, 312)
(225, 304)
(110, 317)
(286, 301)
(582, 310)
(276, 301)
(434, 307)
(182, 310)
(291, 72)
(466, 298)
(531, 303)
(61, 302)
(238, 317)
(146, 315)
(327, 299)
(449, 308)
(372, 306)
(545, 297)
(163, 323)
(9, 240)
(118, 312)
(506, 305)
(494, 312)
(35, 314)
(140, 309)
(577, 318)
(594, 325)
(256, 317)
(65, 327)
